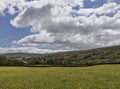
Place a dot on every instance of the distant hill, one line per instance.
(20, 55)
(105, 55)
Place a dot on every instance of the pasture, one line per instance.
(93, 77)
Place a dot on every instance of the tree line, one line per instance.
(64, 59)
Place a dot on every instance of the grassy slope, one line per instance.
(95, 77)
(106, 55)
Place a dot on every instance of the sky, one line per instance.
(45, 26)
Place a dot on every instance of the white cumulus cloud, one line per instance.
(56, 25)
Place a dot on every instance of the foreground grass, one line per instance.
(94, 77)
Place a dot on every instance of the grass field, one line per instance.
(94, 77)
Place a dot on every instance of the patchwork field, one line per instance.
(94, 77)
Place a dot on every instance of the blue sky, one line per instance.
(8, 33)
(39, 30)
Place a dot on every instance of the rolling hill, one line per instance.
(106, 55)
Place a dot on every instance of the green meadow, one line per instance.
(92, 77)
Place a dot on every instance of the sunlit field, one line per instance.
(93, 77)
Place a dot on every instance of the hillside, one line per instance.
(106, 55)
